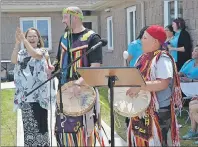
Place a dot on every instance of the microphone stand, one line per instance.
(59, 72)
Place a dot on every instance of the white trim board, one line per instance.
(129, 10)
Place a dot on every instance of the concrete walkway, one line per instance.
(7, 85)
(20, 138)
(20, 135)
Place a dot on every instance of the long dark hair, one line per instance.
(66, 29)
(180, 23)
(170, 28)
(142, 32)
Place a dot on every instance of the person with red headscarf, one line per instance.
(160, 73)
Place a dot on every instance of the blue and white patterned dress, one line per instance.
(28, 74)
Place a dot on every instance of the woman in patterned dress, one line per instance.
(32, 67)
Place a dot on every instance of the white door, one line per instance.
(131, 24)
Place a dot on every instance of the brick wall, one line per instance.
(190, 15)
(118, 13)
(154, 12)
(153, 15)
(10, 21)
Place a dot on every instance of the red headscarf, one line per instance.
(157, 32)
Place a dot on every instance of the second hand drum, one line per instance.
(130, 106)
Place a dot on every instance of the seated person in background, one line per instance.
(135, 49)
(192, 133)
(189, 71)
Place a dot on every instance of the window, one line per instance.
(43, 24)
(131, 24)
(110, 32)
(172, 10)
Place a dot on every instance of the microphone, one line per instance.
(102, 42)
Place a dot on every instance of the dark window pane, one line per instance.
(131, 27)
(87, 25)
(180, 9)
(171, 11)
(110, 33)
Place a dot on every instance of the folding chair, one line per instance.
(190, 89)
(180, 110)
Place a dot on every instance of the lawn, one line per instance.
(185, 128)
(120, 126)
(9, 125)
(8, 119)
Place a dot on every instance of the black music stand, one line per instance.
(112, 77)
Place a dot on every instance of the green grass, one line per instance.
(8, 119)
(120, 126)
(184, 129)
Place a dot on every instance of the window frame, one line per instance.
(129, 10)
(166, 11)
(35, 19)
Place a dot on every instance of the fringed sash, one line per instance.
(145, 64)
